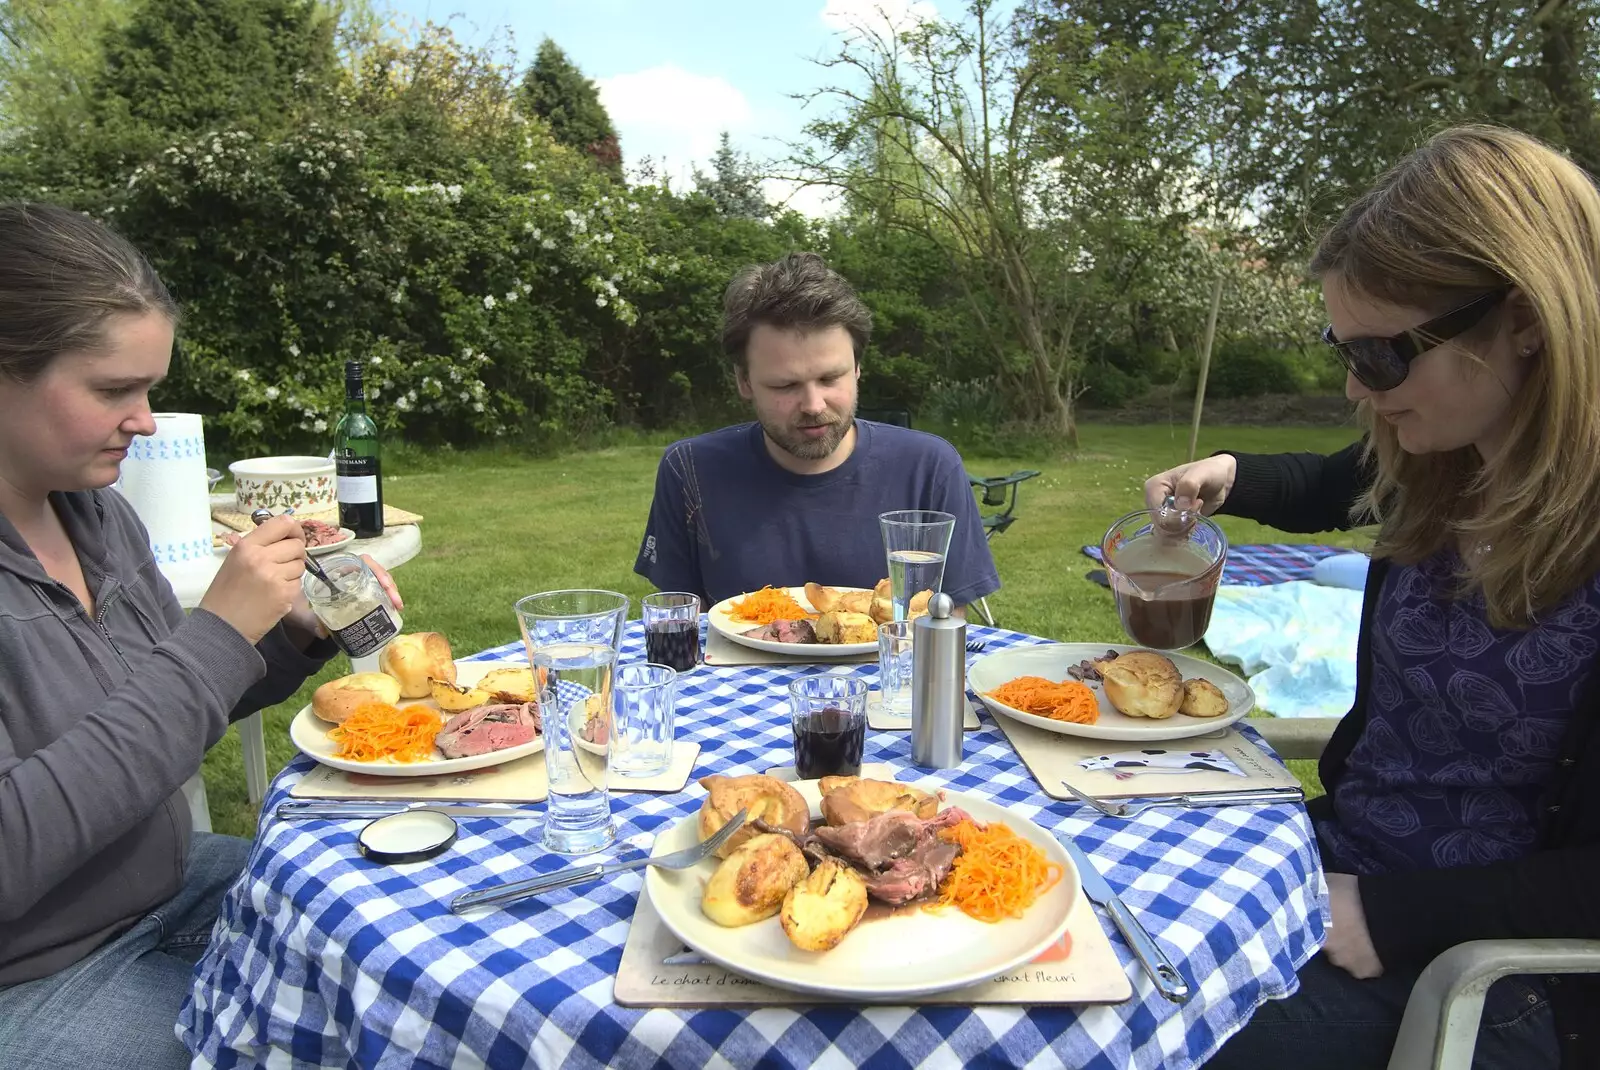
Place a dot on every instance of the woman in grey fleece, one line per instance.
(109, 694)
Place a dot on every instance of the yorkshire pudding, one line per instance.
(338, 699)
(1143, 684)
(765, 798)
(848, 799)
(417, 658)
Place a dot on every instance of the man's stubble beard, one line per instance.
(806, 449)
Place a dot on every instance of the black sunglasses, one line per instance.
(1382, 363)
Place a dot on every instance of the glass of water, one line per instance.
(916, 542)
(894, 667)
(646, 700)
(572, 639)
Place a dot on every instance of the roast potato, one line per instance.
(750, 884)
(821, 908)
(1143, 684)
(1202, 698)
(766, 798)
(847, 799)
(516, 684)
(455, 699)
(842, 627)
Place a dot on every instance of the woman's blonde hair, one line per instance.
(1474, 209)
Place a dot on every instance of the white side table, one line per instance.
(393, 548)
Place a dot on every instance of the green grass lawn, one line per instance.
(498, 527)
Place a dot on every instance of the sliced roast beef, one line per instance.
(874, 843)
(488, 728)
(915, 876)
(785, 631)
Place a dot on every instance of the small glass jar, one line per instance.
(357, 612)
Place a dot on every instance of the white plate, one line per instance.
(348, 537)
(723, 620)
(1052, 662)
(881, 959)
(310, 733)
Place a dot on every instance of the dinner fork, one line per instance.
(1136, 807)
(976, 646)
(515, 891)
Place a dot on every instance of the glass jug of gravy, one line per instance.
(1164, 579)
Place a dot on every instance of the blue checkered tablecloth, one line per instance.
(322, 959)
(1264, 563)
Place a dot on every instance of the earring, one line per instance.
(1527, 351)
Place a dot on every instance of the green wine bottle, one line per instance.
(356, 461)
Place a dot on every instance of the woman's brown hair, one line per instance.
(61, 276)
(1474, 209)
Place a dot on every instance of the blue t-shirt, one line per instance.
(728, 519)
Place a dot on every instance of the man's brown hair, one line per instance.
(798, 293)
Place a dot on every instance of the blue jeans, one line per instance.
(119, 1006)
(1339, 1023)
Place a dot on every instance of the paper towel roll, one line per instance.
(164, 478)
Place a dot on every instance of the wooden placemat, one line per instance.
(393, 517)
(1079, 968)
(720, 650)
(522, 780)
(1053, 758)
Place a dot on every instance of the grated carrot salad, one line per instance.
(998, 874)
(378, 730)
(770, 604)
(1067, 701)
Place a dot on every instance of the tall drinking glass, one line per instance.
(641, 740)
(572, 639)
(671, 629)
(916, 542)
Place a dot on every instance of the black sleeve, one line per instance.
(1299, 492)
(1415, 916)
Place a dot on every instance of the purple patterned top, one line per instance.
(1464, 722)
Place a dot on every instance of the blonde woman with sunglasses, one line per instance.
(1463, 788)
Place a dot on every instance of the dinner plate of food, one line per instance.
(321, 538)
(814, 620)
(868, 889)
(1110, 692)
(423, 715)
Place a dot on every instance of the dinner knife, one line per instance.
(375, 808)
(1168, 981)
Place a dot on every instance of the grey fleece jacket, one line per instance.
(102, 719)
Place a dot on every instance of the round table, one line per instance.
(397, 545)
(324, 959)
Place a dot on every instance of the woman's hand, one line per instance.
(1202, 484)
(1349, 944)
(304, 622)
(259, 581)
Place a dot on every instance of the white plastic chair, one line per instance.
(1440, 1027)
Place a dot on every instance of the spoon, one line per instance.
(1172, 521)
(261, 516)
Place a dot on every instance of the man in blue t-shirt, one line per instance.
(795, 497)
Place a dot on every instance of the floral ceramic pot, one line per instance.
(304, 484)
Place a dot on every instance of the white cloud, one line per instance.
(673, 116)
(878, 17)
(818, 202)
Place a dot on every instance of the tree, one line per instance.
(556, 91)
(1030, 175)
(734, 183)
(1323, 95)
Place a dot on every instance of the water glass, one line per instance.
(915, 542)
(572, 639)
(641, 740)
(894, 667)
(829, 713)
(671, 629)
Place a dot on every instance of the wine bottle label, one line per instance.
(367, 634)
(357, 490)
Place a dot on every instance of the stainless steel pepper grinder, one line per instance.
(938, 685)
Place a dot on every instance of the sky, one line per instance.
(674, 74)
